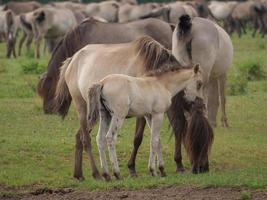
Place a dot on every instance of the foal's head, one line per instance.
(194, 87)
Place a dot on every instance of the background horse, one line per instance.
(203, 41)
(134, 59)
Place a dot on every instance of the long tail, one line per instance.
(198, 138)
(93, 104)
(62, 98)
(184, 26)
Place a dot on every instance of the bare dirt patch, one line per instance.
(166, 193)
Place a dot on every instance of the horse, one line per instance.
(93, 31)
(149, 95)
(50, 23)
(8, 29)
(195, 40)
(134, 59)
(107, 10)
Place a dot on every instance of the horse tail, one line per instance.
(62, 98)
(24, 23)
(93, 104)
(184, 25)
(198, 138)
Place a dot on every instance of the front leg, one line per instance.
(156, 122)
(111, 137)
(159, 151)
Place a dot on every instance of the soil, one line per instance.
(161, 193)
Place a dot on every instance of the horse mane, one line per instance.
(199, 137)
(154, 55)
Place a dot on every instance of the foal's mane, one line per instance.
(154, 55)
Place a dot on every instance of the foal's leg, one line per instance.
(101, 142)
(156, 121)
(222, 81)
(115, 125)
(139, 132)
(159, 152)
(213, 101)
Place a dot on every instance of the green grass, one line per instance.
(37, 150)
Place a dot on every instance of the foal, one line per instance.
(118, 96)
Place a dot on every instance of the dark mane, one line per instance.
(154, 55)
(166, 69)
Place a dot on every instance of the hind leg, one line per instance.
(139, 132)
(213, 101)
(222, 81)
(111, 137)
(101, 142)
(86, 137)
(78, 171)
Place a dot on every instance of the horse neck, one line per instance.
(176, 81)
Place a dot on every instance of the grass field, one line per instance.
(37, 150)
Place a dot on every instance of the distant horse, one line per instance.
(94, 62)
(202, 41)
(119, 96)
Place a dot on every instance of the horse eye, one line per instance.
(199, 84)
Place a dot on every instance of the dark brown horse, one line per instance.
(92, 31)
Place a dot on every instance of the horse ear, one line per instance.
(196, 68)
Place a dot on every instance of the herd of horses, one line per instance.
(52, 21)
(160, 58)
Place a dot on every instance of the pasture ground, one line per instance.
(36, 150)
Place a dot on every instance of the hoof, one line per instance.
(106, 177)
(132, 172)
(117, 175)
(152, 172)
(96, 176)
(79, 178)
(162, 172)
(180, 170)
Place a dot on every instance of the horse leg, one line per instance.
(159, 152)
(78, 172)
(111, 137)
(14, 47)
(213, 101)
(38, 43)
(222, 81)
(101, 142)
(178, 141)
(29, 41)
(139, 132)
(156, 121)
(86, 138)
(23, 38)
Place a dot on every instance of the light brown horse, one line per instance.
(119, 96)
(134, 59)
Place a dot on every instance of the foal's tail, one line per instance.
(199, 138)
(93, 104)
(62, 98)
